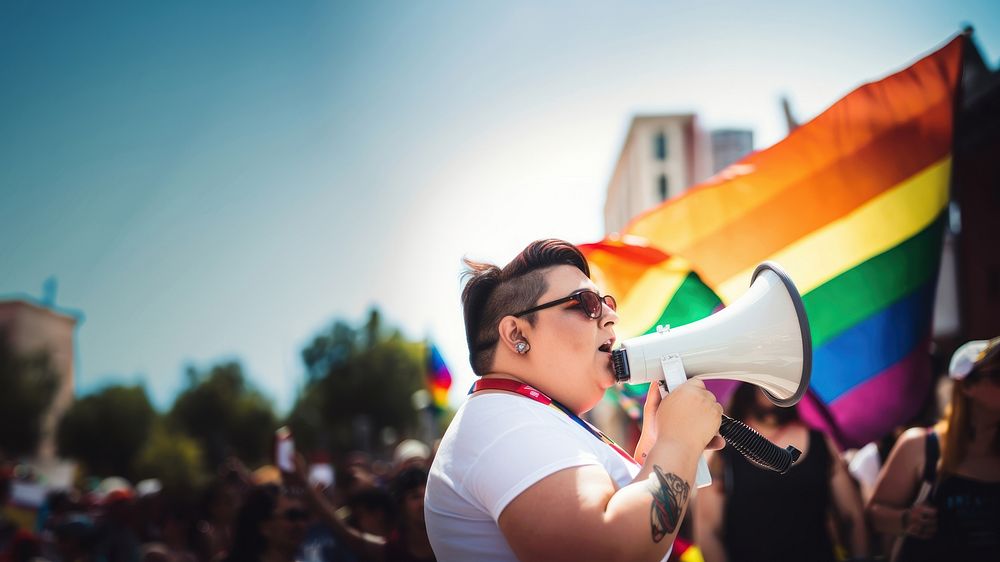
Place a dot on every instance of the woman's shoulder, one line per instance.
(913, 438)
(491, 404)
(501, 413)
(910, 448)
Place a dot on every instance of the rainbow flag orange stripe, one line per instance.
(852, 205)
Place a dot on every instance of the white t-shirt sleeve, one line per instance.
(520, 453)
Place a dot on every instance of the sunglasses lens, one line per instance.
(611, 302)
(591, 304)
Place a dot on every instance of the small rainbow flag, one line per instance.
(438, 378)
(853, 205)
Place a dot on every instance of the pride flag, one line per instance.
(652, 289)
(853, 205)
(438, 378)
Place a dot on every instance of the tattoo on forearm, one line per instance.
(670, 493)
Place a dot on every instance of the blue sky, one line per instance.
(218, 180)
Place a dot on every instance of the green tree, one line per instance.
(174, 459)
(360, 382)
(105, 430)
(28, 385)
(225, 415)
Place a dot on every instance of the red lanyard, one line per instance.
(529, 391)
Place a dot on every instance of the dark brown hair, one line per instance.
(743, 405)
(492, 293)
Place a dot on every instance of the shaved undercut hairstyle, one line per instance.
(492, 292)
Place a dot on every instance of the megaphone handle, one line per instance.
(756, 448)
(674, 376)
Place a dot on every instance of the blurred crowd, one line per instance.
(920, 493)
(262, 515)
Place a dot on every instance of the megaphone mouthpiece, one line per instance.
(620, 364)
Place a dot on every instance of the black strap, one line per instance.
(932, 451)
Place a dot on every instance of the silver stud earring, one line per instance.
(521, 347)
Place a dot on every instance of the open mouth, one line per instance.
(606, 346)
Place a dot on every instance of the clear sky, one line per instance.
(218, 180)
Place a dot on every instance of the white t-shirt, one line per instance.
(496, 447)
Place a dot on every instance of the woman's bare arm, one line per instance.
(580, 514)
(897, 484)
(847, 501)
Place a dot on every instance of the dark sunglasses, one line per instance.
(590, 302)
(294, 515)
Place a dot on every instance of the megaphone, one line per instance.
(762, 338)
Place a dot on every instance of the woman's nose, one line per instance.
(610, 315)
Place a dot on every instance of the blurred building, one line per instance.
(32, 327)
(730, 145)
(662, 156)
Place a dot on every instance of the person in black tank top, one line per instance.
(772, 516)
(750, 514)
(939, 491)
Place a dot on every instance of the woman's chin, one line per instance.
(608, 375)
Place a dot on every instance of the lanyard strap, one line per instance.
(533, 393)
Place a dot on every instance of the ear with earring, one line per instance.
(521, 347)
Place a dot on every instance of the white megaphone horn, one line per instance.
(762, 338)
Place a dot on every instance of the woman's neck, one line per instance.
(509, 376)
(765, 423)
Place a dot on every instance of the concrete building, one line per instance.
(730, 145)
(662, 156)
(32, 327)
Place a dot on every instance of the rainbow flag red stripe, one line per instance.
(852, 205)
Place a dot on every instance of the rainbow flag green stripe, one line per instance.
(860, 292)
(692, 301)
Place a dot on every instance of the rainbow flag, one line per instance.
(652, 289)
(853, 205)
(438, 378)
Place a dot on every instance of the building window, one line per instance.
(660, 146)
(664, 189)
